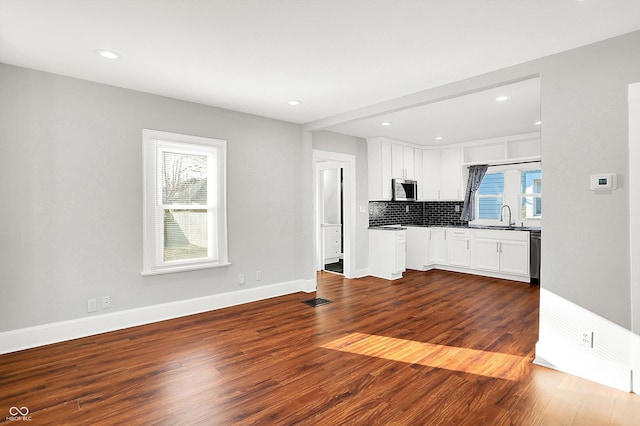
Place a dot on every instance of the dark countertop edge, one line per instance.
(389, 228)
(489, 228)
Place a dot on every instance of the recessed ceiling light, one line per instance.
(502, 98)
(386, 123)
(294, 102)
(108, 54)
(438, 138)
(537, 123)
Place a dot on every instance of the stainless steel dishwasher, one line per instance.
(535, 243)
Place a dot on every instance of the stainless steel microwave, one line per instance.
(404, 190)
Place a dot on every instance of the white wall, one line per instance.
(343, 144)
(71, 216)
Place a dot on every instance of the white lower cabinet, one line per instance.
(495, 253)
(459, 247)
(504, 252)
(486, 256)
(418, 247)
(438, 253)
(332, 243)
(387, 253)
(514, 257)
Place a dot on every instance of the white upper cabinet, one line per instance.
(451, 169)
(438, 171)
(379, 156)
(442, 175)
(429, 185)
(402, 162)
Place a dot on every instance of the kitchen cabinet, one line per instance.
(430, 186)
(388, 160)
(514, 257)
(332, 237)
(417, 247)
(379, 169)
(488, 252)
(459, 247)
(451, 174)
(442, 175)
(402, 162)
(438, 253)
(387, 253)
(501, 251)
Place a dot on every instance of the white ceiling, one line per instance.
(466, 118)
(334, 55)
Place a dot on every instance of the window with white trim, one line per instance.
(518, 186)
(531, 193)
(184, 203)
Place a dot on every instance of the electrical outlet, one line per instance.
(258, 275)
(106, 302)
(241, 278)
(457, 208)
(92, 305)
(586, 338)
(406, 209)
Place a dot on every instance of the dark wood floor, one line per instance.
(432, 348)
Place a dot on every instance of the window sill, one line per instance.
(183, 268)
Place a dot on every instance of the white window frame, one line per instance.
(512, 195)
(154, 142)
(535, 195)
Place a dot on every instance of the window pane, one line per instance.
(531, 207)
(184, 178)
(492, 184)
(532, 182)
(185, 234)
(489, 207)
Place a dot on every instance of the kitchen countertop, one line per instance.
(496, 228)
(389, 228)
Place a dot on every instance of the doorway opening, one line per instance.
(331, 202)
(334, 199)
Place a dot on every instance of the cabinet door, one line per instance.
(417, 172)
(514, 257)
(407, 161)
(459, 251)
(401, 253)
(397, 161)
(430, 174)
(451, 174)
(438, 246)
(417, 248)
(486, 254)
(385, 148)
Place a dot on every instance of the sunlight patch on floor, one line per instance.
(473, 361)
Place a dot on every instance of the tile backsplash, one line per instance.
(435, 213)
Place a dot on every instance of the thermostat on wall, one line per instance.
(604, 182)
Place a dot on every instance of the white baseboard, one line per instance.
(584, 366)
(607, 362)
(361, 273)
(31, 337)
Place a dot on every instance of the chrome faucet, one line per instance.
(502, 211)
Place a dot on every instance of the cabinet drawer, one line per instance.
(458, 232)
(502, 235)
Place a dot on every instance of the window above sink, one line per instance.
(518, 186)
